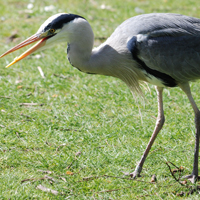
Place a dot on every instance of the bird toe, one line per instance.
(192, 178)
(134, 175)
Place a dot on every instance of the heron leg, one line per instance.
(194, 176)
(159, 124)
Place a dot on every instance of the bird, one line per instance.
(162, 49)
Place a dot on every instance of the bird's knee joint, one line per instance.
(161, 121)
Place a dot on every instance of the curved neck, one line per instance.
(96, 61)
(80, 53)
(80, 39)
(104, 60)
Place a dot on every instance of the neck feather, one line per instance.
(104, 60)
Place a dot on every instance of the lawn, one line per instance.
(70, 135)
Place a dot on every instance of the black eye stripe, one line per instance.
(59, 22)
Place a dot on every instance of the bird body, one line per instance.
(167, 43)
(160, 48)
(141, 45)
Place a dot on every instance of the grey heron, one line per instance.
(162, 49)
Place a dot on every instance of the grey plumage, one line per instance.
(168, 43)
(161, 49)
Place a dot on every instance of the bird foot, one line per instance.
(134, 174)
(192, 178)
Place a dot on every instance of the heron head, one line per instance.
(51, 32)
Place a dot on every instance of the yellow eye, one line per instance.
(52, 30)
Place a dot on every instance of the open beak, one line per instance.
(33, 38)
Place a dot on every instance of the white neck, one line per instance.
(104, 60)
(80, 53)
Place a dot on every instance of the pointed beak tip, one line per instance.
(2, 56)
(13, 62)
(33, 38)
(7, 66)
(41, 42)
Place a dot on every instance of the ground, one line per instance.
(71, 135)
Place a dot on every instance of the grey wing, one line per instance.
(172, 47)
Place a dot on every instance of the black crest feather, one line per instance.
(59, 21)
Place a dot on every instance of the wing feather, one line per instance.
(168, 43)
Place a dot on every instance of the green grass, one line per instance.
(94, 115)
